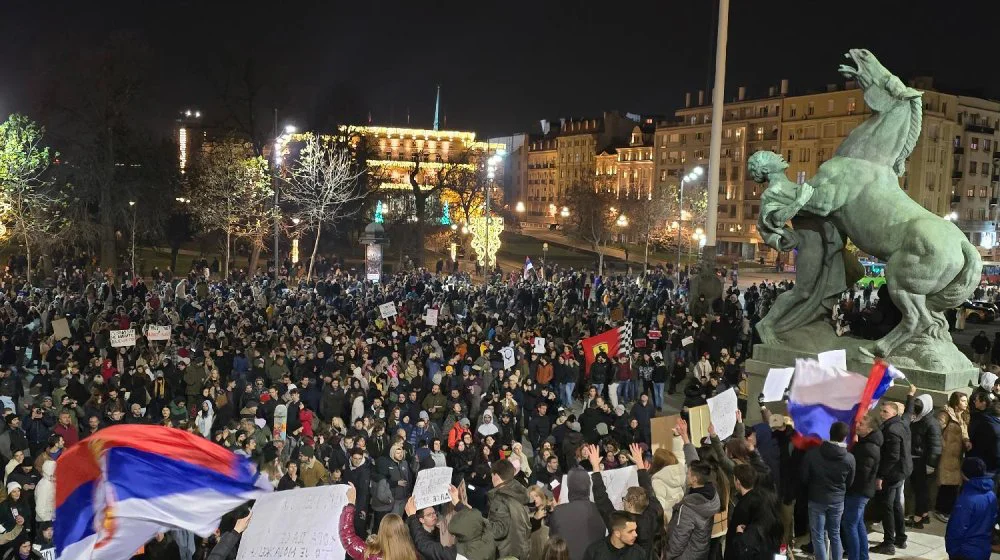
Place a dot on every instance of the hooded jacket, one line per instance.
(669, 484)
(972, 519)
(828, 470)
(45, 493)
(578, 521)
(508, 519)
(473, 540)
(925, 434)
(689, 533)
(867, 452)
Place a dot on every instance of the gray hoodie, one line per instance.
(690, 529)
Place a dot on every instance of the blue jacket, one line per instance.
(972, 519)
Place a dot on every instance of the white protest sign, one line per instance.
(387, 309)
(157, 332)
(833, 358)
(539, 347)
(776, 383)
(299, 524)
(687, 341)
(723, 410)
(431, 487)
(122, 338)
(616, 481)
(431, 318)
(508, 357)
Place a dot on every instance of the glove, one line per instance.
(930, 469)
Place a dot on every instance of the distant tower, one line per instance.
(437, 108)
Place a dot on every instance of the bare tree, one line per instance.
(323, 185)
(30, 205)
(231, 191)
(591, 219)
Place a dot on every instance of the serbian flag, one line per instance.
(527, 266)
(119, 487)
(823, 394)
(612, 342)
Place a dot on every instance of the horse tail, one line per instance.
(959, 289)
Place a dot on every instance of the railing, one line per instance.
(958, 150)
(979, 129)
(956, 174)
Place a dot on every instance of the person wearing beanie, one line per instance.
(578, 521)
(313, 473)
(16, 505)
(971, 522)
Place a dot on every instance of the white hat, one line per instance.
(11, 486)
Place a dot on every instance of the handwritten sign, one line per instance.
(776, 383)
(387, 310)
(723, 409)
(539, 345)
(123, 338)
(654, 335)
(157, 332)
(687, 341)
(296, 524)
(508, 357)
(833, 358)
(431, 318)
(431, 487)
(699, 418)
(616, 481)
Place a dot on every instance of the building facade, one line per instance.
(541, 199)
(975, 175)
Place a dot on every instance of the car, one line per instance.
(980, 311)
(875, 281)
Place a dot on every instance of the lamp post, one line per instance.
(279, 144)
(545, 252)
(692, 176)
(132, 204)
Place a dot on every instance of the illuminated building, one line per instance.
(628, 170)
(191, 135)
(541, 182)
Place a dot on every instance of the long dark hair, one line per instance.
(556, 549)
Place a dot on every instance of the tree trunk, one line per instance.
(225, 264)
(27, 249)
(645, 262)
(255, 257)
(174, 251)
(312, 259)
(420, 202)
(600, 262)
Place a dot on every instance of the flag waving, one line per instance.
(116, 489)
(613, 342)
(527, 266)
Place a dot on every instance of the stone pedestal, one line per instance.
(705, 282)
(938, 384)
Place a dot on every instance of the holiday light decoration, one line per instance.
(486, 243)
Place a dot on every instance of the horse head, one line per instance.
(884, 94)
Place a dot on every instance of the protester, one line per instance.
(828, 470)
(970, 526)
(895, 464)
(578, 520)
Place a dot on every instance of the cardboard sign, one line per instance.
(539, 345)
(699, 418)
(662, 431)
(508, 357)
(387, 309)
(60, 328)
(653, 335)
(687, 341)
(723, 408)
(300, 523)
(775, 384)
(431, 318)
(123, 338)
(158, 332)
(431, 487)
(616, 481)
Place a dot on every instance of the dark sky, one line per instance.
(502, 65)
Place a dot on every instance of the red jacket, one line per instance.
(456, 433)
(69, 434)
(353, 544)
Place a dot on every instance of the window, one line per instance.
(829, 105)
(982, 192)
(788, 156)
(970, 192)
(851, 106)
(982, 214)
(800, 177)
(986, 168)
(958, 142)
(973, 143)
(675, 137)
(760, 132)
(972, 168)
(792, 110)
(663, 175)
(811, 108)
(987, 144)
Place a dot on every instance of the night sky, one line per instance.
(502, 65)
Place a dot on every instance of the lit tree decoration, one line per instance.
(479, 240)
(379, 218)
(446, 215)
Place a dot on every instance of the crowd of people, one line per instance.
(310, 382)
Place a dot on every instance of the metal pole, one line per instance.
(133, 242)
(680, 229)
(277, 157)
(715, 147)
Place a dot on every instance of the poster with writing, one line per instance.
(539, 347)
(833, 358)
(617, 482)
(699, 418)
(776, 382)
(687, 341)
(723, 409)
(60, 327)
(508, 357)
(431, 318)
(431, 487)
(123, 338)
(295, 524)
(157, 332)
(654, 335)
(387, 309)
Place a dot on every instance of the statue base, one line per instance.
(936, 367)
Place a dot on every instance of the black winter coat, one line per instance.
(867, 452)
(828, 470)
(986, 442)
(896, 462)
(925, 440)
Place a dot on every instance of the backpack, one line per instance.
(381, 494)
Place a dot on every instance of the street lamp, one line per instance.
(952, 216)
(519, 207)
(564, 212)
(132, 204)
(279, 144)
(695, 173)
(545, 252)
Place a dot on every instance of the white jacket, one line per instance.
(45, 493)
(669, 483)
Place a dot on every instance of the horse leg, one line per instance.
(915, 319)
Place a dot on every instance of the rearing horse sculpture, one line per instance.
(931, 266)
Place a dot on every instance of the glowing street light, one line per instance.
(564, 212)
(952, 216)
(519, 207)
(622, 221)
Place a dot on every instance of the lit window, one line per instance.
(829, 105)
(851, 105)
(973, 143)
